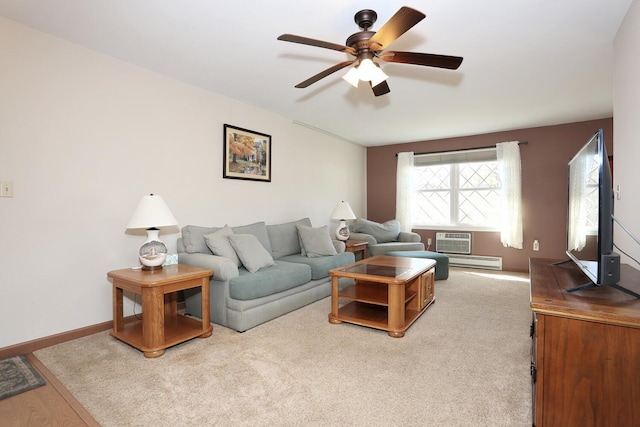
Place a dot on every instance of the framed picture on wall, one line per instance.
(247, 154)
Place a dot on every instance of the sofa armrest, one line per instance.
(408, 236)
(339, 245)
(363, 236)
(223, 268)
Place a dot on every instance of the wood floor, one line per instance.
(52, 404)
(49, 405)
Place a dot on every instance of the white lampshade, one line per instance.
(367, 71)
(378, 76)
(343, 211)
(151, 212)
(352, 76)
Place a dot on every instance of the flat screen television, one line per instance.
(590, 215)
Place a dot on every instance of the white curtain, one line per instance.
(508, 154)
(404, 190)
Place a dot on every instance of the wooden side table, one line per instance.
(161, 325)
(356, 246)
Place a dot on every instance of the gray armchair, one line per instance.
(385, 237)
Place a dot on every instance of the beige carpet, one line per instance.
(465, 362)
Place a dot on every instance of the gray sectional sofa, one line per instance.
(261, 271)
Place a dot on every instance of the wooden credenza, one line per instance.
(585, 352)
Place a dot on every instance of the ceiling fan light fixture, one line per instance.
(378, 77)
(367, 71)
(352, 76)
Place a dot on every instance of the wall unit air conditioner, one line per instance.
(455, 243)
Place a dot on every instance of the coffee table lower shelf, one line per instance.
(372, 316)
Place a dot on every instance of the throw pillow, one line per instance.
(250, 251)
(284, 238)
(388, 231)
(218, 242)
(315, 242)
(193, 238)
(258, 229)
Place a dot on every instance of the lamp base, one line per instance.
(153, 253)
(342, 232)
(152, 267)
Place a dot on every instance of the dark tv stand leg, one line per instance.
(614, 285)
(581, 287)
(630, 292)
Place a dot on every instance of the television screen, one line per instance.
(590, 213)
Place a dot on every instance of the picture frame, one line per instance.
(247, 154)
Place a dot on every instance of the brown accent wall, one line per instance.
(544, 185)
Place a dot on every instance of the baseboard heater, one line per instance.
(475, 261)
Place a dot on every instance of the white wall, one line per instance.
(626, 131)
(84, 136)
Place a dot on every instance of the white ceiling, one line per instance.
(527, 63)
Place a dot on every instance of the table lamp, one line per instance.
(342, 212)
(151, 214)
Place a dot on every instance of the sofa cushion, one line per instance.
(258, 229)
(279, 277)
(193, 238)
(320, 266)
(218, 243)
(284, 238)
(386, 232)
(315, 242)
(250, 251)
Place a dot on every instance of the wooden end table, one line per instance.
(161, 325)
(388, 293)
(356, 246)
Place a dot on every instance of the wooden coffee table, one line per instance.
(388, 293)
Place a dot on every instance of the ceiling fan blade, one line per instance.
(427, 59)
(381, 89)
(400, 23)
(318, 43)
(323, 74)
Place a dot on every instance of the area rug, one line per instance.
(17, 375)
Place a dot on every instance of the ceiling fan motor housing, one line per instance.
(360, 41)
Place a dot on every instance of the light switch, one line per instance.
(6, 189)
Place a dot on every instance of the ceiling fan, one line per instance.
(366, 45)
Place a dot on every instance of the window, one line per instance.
(457, 190)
